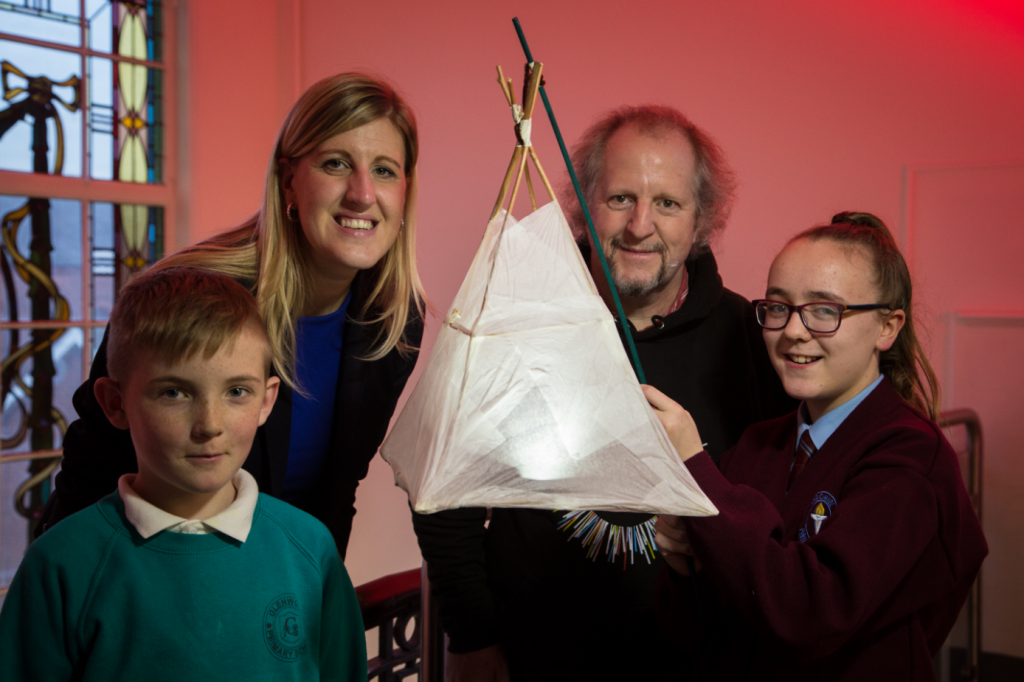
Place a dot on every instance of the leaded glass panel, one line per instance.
(108, 20)
(102, 119)
(96, 338)
(138, 97)
(42, 368)
(42, 267)
(82, 94)
(125, 109)
(124, 239)
(14, 524)
(55, 21)
(100, 15)
(125, 121)
(41, 259)
(41, 88)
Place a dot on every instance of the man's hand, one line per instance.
(670, 537)
(678, 423)
(485, 665)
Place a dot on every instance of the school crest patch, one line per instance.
(823, 505)
(282, 628)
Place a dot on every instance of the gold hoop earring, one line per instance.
(292, 213)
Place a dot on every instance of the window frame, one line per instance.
(86, 190)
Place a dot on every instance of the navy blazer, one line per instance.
(96, 453)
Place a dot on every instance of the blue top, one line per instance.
(830, 421)
(317, 358)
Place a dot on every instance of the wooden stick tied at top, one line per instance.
(519, 155)
(510, 97)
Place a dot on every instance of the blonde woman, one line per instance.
(330, 258)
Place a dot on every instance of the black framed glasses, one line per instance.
(823, 318)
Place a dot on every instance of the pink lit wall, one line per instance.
(911, 109)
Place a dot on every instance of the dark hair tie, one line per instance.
(858, 219)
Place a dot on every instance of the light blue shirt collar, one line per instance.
(827, 424)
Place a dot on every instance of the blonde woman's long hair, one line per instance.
(266, 251)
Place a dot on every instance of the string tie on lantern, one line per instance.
(524, 129)
(523, 126)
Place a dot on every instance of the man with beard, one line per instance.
(538, 595)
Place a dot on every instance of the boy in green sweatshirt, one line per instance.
(186, 571)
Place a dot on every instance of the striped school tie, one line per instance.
(803, 453)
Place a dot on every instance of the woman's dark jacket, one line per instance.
(96, 453)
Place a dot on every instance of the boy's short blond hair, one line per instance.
(177, 312)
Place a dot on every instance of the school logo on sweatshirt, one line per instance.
(282, 628)
(822, 507)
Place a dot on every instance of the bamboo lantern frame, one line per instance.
(517, 168)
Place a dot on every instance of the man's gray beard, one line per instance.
(635, 287)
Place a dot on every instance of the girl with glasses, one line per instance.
(845, 543)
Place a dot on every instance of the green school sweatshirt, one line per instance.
(93, 600)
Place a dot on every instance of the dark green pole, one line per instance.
(586, 214)
(600, 254)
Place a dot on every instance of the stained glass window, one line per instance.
(83, 88)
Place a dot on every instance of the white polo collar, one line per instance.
(235, 521)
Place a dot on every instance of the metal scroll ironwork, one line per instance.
(391, 604)
(37, 422)
(973, 452)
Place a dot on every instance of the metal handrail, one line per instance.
(969, 419)
(390, 604)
